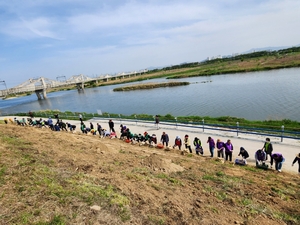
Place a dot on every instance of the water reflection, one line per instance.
(45, 103)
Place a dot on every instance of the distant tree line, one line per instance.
(241, 57)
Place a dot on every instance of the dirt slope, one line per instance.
(69, 178)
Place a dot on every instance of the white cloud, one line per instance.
(28, 29)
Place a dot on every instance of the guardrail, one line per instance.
(280, 133)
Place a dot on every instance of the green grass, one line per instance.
(288, 218)
(3, 169)
(156, 219)
(56, 220)
(251, 168)
(172, 180)
(221, 195)
(209, 177)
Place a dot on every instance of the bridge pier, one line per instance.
(41, 94)
(80, 86)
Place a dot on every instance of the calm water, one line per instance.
(254, 96)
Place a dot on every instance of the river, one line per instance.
(262, 95)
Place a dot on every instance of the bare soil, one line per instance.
(51, 177)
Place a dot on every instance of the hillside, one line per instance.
(51, 177)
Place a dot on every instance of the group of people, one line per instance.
(224, 149)
(98, 129)
(261, 155)
(41, 123)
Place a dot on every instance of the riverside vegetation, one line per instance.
(49, 178)
(150, 86)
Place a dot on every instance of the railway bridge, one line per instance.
(41, 85)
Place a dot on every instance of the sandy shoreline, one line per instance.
(289, 147)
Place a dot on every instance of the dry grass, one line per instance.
(56, 177)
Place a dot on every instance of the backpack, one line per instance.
(240, 162)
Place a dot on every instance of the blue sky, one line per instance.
(43, 38)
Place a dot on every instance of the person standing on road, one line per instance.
(268, 148)
(80, 117)
(211, 145)
(157, 121)
(165, 139)
(187, 143)
(279, 160)
(228, 150)
(297, 158)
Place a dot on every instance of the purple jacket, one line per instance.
(279, 157)
(260, 155)
(228, 147)
(211, 143)
(220, 145)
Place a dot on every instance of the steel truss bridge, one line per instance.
(41, 85)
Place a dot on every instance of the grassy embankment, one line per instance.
(42, 183)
